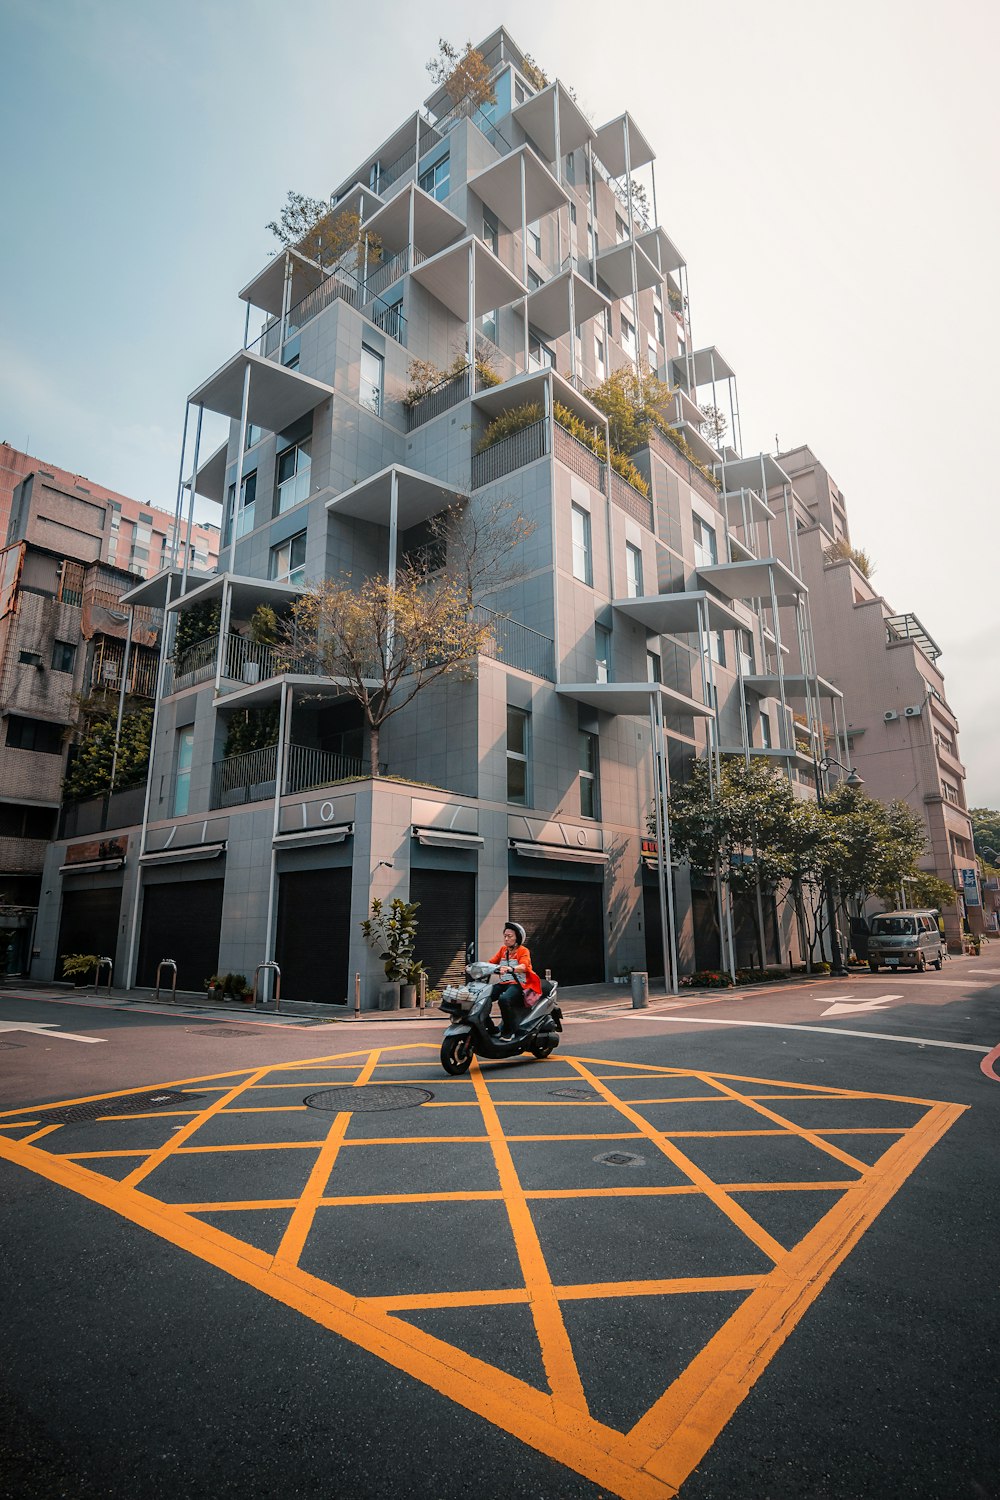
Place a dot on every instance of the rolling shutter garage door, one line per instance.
(89, 923)
(652, 922)
(564, 921)
(182, 920)
(446, 922)
(314, 933)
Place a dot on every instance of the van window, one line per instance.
(894, 926)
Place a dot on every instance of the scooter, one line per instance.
(472, 1032)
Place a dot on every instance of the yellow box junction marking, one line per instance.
(651, 1460)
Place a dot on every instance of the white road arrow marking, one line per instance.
(843, 1005)
(984, 971)
(47, 1029)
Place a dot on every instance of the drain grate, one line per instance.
(126, 1104)
(575, 1093)
(369, 1097)
(219, 1031)
(620, 1159)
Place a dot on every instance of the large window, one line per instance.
(436, 178)
(288, 560)
(628, 337)
(491, 230)
(633, 571)
(535, 239)
(518, 746)
(599, 356)
(294, 477)
(248, 496)
(706, 548)
(182, 775)
(34, 734)
(63, 656)
(582, 567)
(654, 668)
(588, 775)
(717, 647)
(602, 652)
(765, 731)
(540, 356)
(744, 647)
(371, 380)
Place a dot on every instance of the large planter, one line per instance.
(407, 996)
(388, 996)
(251, 672)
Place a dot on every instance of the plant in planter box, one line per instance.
(80, 966)
(391, 929)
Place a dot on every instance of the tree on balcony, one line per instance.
(322, 234)
(93, 753)
(842, 551)
(466, 76)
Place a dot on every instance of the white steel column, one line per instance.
(241, 449)
(524, 256)
(776, 626)
(572, 327)
(193, 486)
(664, 863)
(121, 694)
(410, 247)
(472, 316)
(284, 716)
(393, 524)
(224, 614)
(631, 242)
(180, 488)
(286, 302)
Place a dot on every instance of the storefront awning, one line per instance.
(177, 856)
(560, 852)
(448, 838)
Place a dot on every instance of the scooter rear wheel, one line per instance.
(456, 1054)
(543, 1046)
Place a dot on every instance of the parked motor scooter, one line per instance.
(472, 1032)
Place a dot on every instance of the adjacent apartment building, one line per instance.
(647, 621)
(63, 637)
(902, 732)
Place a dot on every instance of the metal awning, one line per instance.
(907, 627)
(752, 580)
(549, 306)
(559, 851)
(335, 833)
(631, 698)
(89, 866)
(210, 480)
(614, 267)
(448, 838)
(278, 396)
(446, 277)
(537, 118)
(678, 614)
(499, 187)
(418, 497)
(178, 856)
(609, 145)
(434, 226)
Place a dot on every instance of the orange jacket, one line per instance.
(530, 983)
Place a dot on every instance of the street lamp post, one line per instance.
(854, 781)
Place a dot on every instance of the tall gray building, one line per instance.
(647, 620)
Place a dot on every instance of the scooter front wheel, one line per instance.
(543, 1046)
(456, 1054)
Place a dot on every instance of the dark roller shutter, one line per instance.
(182, 920)
(564, 920)
(314, 934)
(652, 924)
(89, 924)
(446, 922)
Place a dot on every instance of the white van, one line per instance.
(905, 937)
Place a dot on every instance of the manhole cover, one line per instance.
(127, 1104)
(574, 1093)
(219, 1031)
(620, 1159)
(369, 1096)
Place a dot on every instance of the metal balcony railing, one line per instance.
(250, 661)
(510, 453)
(307, 768)
(343, 285)
(516, 645)
(630, 500)
(108, 666)
(440, 398)
(196, 664)
(248, 777)
(578, 457)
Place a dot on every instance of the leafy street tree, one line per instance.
(986, 833)
(89, 774)
(321, 234)
(465, 75)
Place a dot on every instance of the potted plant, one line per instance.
(391, 929)
(408, 989)
(80, 966)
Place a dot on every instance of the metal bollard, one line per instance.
(640, 989)
(357, 997)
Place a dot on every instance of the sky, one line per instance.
(830, 174)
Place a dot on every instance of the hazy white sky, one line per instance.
(830, 173)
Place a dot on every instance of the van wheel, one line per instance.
(938, 962)
(921, 963)
(873, 965)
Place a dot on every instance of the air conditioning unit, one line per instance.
(913, 712)
(889, 716)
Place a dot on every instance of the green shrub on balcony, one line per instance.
(627, 469)
(89, 774)
(516, 419)
(594, 440)
(196, 623)
(252, 729)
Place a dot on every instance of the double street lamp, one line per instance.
(854, 781)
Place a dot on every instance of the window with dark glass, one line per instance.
(435, 178)
(34, 734)
(288, 559)
(582, 568)
(63, 656)
(491, 230)
(588, 774)
(518, 725)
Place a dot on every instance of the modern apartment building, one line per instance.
(902, 732)
(643, 624)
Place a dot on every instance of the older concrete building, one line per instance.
(642, 625)
(902, 732)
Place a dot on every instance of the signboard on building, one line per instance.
(970, 887)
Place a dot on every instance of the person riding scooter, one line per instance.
(518, 986)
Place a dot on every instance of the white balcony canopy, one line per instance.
(391, 149)
(708, 365)
(610, 145)
(418, 497)
(210, 480)
(795, 685)
(661, 250)
(278, 396)
(678, 614)
(267, 287)
(752, 580)
(758, 471)
(499, 187)
(537, 117)
(434, 226)
(632, 698)
(614, 266)
(446, 277)
(245, 593)
(549, 306)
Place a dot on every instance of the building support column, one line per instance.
(193, 487)
(180, 488)
(664, 860)
(284, 720)
(121, 696)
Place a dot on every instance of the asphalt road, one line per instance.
(729, 1245)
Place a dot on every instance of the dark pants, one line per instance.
(511, 1002)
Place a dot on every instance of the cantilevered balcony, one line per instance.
(766, 579)
(614, 267)
(554, 122)
(277, 396)
(518, 188)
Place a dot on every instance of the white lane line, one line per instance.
(876, 1036)
(974, 984)
(984, 971)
